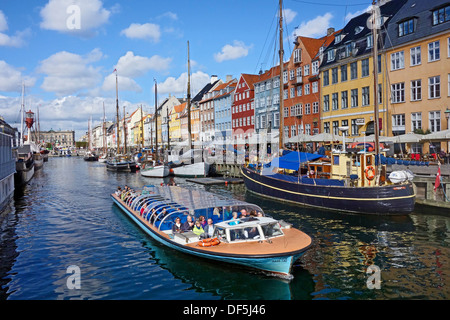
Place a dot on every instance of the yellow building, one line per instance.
(418, 63)
(175, 123)
(347, 82)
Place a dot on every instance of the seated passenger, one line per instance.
(216, 212)
(209, 229)
(188, 225)
(243, 213)
(176, 228)
(235, 219)
(198, 230)
(118, 191)
(144, 207)
(227, 213)
(202, 221)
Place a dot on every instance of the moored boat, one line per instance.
(256, 241)
(121, 164)
(155, 171)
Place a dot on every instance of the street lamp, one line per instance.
(447, 116)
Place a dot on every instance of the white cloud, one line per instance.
(11, 41)
(57, 16)
(11, 78)
(68, 73)
(143, 31)
(178, 86)
(316, 27)
(131, 66)
(231, 52)
(289, 15)
(351, 15)
(169, 15)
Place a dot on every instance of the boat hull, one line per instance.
(121, 166)
(279, 264)
(199, 169)
(24, 172)
(156, 172)
(383, 200)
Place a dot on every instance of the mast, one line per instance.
(156, 118)
(117, 111)
(375, 87)
(22, 115)
(281, 81)
(141, 130)
(124, 132)
(189, 101)
(104, 130)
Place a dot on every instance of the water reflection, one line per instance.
(65, 217)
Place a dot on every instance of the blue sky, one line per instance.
(65, 51)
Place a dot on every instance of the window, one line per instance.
(334, 75)
(416, 121)
(344, 99)
(435, 121)
(315, 87)
(355, 128)
(292, 91)
(441, 15)
(306, 88)
(370, 41)
(354, 98)
(416, 90)
(307, 108)
(315, 67)
(306, 70)
(398, 122)
(285, 94)
(397, 60)
(286, 112)
(331, 55)
(326, 77)
(434, 87)
(308, 129)
(334, 101)
(344, 73)
(353, 70)
(405, 27)
(285, 76)
(299, 91)
(291, 74)
(398, 92)
(433, 51)
(315, 107)
(326, 102)
(336, 127)
(380, 93)
(297, 55)
(293, 131)
(416, 58)
(326, 127)
(365, 96)
(365, 68)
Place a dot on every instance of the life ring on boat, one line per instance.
(209, 242)
(143, 166)
(370, 173)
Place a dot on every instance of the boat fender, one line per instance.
(143, 166)
(370, 173)
(209, 242)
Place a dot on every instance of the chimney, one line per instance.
(213, 78)
(330, 31)
(229, 77)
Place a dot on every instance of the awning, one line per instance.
(293, 160)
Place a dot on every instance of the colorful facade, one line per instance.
(242, 110)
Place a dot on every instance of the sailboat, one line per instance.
(156, 169)
(104, 157)
(348, 181)
(90, 156)
(192, 166)
(121, 162)
(25, 158)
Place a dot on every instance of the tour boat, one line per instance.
(256, 241)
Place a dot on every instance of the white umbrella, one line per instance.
(410, 137)
(439, 135)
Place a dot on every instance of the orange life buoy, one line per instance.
(370, 173)
(208, 242)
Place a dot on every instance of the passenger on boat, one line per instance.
(253, 213)
(176, 228)
(227, 213)
(216, 212)
(144, 207)
(202, 221)
(118, 191)
(243, 213)
(209, 229)
(188, 225)
(198, 230)
(235, 219)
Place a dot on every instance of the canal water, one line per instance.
(65, 219)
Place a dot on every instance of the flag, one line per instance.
(437, 182)
(115, 70)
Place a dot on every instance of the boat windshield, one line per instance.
(272, 230)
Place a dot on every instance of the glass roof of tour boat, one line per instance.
(195, 199)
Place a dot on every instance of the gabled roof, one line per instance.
(250, 79)
(272, 72)
(199, 96)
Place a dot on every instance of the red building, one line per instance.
(243, 108)
(302, 92)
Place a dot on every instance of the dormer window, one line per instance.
(297, 55)
(331, 55)
(441, 15)
(406, 27)
(370, 41)
(358, 29)
(338, 38)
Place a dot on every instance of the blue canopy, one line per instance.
(293, 160)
